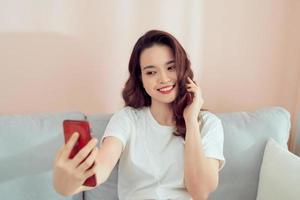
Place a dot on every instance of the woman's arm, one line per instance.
(200, 173)
(108, 157)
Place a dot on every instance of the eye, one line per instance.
(150, 73)
(171, 68)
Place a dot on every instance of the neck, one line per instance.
(162, 113)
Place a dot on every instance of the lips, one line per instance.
(166, 88)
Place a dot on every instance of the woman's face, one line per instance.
(159, 73)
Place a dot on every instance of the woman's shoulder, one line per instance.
(210, 118)
(211, 122)
(128, 112)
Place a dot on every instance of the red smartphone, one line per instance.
(83, 128)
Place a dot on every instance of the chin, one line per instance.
(166, 100)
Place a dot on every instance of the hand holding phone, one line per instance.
(81, 127)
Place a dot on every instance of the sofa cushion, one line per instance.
(245, 137)
(279, 175)
(28, 146)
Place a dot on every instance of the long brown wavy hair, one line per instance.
(134, 93)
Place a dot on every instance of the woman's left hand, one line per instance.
(192, 110)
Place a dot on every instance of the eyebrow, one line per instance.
(151, 66)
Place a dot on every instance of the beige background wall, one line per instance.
(251, 55)
(63, 56)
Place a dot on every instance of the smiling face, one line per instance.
(158, 73)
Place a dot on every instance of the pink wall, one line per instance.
(42, 72)
(251, 55)
(297, 135)
(248, 59)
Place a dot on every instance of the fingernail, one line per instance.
(76, 134)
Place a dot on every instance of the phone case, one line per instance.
(83, 128)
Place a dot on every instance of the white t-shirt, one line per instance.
(152, 161)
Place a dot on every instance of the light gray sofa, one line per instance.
(28, 144)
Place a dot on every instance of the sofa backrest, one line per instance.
(245, 137)
(28, 144)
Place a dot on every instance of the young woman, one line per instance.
(169, 148)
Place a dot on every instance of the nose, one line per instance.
(164, 78)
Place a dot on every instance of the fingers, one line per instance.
(90, 173)
(189, 79)
(69, 145)
(191, 82)
(59, 152)
(84, 166)
(191, 86)
(83, 153)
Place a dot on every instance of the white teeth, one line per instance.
(166, 89)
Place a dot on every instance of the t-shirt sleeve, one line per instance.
(213, 138)
(119, 126)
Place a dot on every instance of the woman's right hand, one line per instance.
(70, 174)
